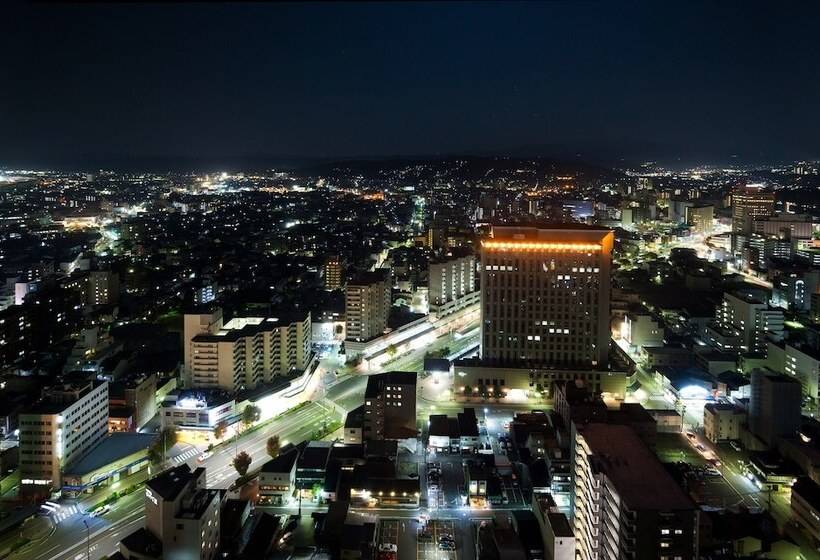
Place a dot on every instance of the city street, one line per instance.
(126, 514)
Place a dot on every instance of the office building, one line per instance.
(785, 226)
(642, 330)
(793, 286)
(181, 518)
(802, 362)
(451, 283)
(722, 422)
(752, 318)
(247, 351)
(774, 406)
(748, 204)
(367, 305)
(390, 406)
(624, 503)
(545, 296)
(69, 420)
(333, 271)
(700, 218)
(204, 291)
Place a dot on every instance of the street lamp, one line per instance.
(87, 540)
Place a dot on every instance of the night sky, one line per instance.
(210, 82)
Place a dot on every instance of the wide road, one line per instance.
(71, 541)
(81, 536)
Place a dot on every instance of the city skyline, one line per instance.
(410, 281)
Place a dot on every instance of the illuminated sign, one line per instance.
(151, 496)
(36, 481)
(540, 246)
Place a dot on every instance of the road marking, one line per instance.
(183, 457)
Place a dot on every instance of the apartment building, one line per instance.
(451, 282)
(624, 503)
(367, 305)
(248, 351)
(752, 318)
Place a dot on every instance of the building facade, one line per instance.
(450, 280)
(700, 218)
(774, 406)
(248, 351)
(70, 420)
(722, 422)
(333, 270)
(390, 406)
(624, 503)
(367, 306)
(748, 204)
(752, 318)
(182, 515)
(545, 296)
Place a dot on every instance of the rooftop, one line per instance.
(117, 445)
(635, 471)
(143, 543)
(376, 383)
(560, 524)
(368, 278)
(283, 462)
(168, 484)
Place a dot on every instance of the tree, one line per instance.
(391, 350)
(220, 429)
(250, 415)
(274, 446)
(166, 440)
(242, 463)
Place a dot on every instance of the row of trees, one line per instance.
(169, 436)
(242, 461)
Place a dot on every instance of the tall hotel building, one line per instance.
(545, 296)
(750, 203)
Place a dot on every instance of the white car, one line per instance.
(100, 511)
(388, 547)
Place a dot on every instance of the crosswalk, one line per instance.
(64, 512)
(184, 457)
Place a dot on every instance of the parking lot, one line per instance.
(429, 548)
(401, 532)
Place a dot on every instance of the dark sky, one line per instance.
(665, 80)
